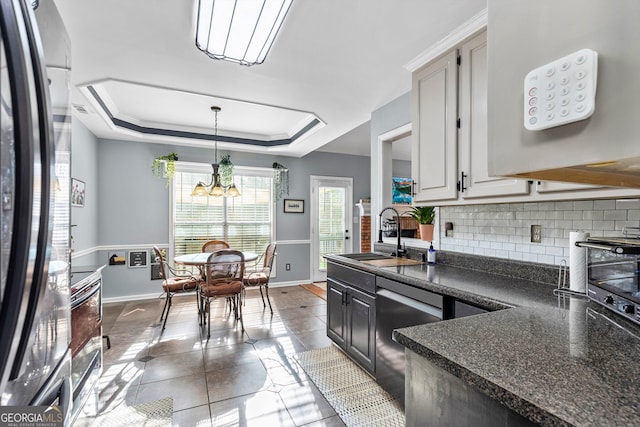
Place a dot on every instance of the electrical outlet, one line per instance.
(536, 234)
(287, 267)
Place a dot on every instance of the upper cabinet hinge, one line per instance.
(459, 60)
(458, 123)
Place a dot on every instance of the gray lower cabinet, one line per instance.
(351, 322)
(437, 398)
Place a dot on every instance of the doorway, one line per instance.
(331, 211)
(383, 168)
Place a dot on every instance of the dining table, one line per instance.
(200, 259)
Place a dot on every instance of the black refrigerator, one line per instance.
(35, 147)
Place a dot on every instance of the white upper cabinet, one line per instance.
(450, 163)
(602, 149)
(434, 150)
(473, 154)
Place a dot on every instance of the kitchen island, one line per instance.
(549, 361)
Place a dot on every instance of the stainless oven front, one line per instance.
(86, 344)
(614, 273)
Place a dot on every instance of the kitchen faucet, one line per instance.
(399, 250)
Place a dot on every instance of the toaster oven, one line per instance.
(613, 272)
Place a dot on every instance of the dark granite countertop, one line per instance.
(562, 362)
(490, 291)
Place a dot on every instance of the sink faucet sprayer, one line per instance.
(399, 250)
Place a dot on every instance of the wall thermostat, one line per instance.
(562, 91)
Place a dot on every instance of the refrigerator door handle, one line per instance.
(42, 146)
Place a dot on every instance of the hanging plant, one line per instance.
(164, 166)
(280, 181)
(226, 170)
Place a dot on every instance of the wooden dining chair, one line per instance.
(214, 245)
(259, 276)
(174, 282)
(224, 273)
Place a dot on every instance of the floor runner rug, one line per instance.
(157, 413)
(352, 393)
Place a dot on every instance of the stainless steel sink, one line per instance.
(366, 256)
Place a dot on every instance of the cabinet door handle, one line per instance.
(460, 185)
(413, 188)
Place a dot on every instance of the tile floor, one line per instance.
(231, 379)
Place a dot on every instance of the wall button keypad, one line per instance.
(566, 89)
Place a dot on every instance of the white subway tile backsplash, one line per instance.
(511, 247)
(505, 230)
(582, 225)
(616, 215)
(628, 204)
(537, 249)
(604, 225)
(621, 224)
(564, 206)
(604, 204)
(564, 224)
(552, 250)
(546, 259)
(554, 215)
(593, 215)
(572, 214)
(538, 215)
(547, 206)
(583, 205)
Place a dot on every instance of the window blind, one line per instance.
(245, 222)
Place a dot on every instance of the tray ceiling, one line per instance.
(332, 64)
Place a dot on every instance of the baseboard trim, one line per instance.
(158, 295)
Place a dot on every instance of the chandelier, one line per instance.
(215, 187)
(239, 31)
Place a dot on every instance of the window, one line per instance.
(245, 222)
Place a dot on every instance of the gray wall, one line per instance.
(388, 117)
(132, 211)
(401, 168)
(85, 220)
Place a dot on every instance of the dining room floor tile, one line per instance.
(233, 377)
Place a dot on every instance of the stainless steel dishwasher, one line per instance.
(398, 306)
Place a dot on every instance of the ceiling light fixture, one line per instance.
(215, 187)
(239, 31)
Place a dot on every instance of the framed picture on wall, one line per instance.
(137, 259)
(293, 206)
(77, 193)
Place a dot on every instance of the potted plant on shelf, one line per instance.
(164, 166)
(425, 216)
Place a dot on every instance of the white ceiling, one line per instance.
(333, 63)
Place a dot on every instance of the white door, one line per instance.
(331, 211)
